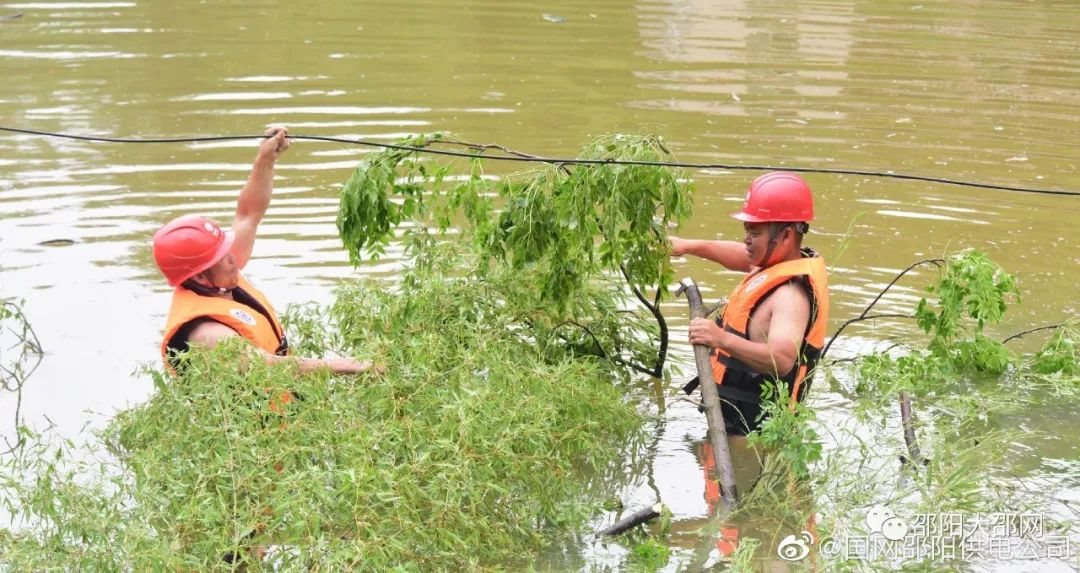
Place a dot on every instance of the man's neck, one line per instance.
(210, 291)
(792, 255)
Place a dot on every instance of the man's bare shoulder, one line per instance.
(209, 332)
(789, 295)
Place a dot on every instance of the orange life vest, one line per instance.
(263, 330)
(738, 381)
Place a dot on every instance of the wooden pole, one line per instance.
(711, 400)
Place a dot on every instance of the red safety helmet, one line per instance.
(188, 245)
(777, 197)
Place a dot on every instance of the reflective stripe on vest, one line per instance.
(746, 297)
(265, 333)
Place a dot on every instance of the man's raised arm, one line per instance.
(255, 196)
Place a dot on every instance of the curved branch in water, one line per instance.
(936, 262)
(1019, 334)
(859, 319)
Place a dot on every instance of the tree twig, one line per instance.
(19, 440)
(484, 147)
(860, 319)
(1019, 334)
(866, 311)
(28, 344)
(690, 401)
(481, 147)
(603, 353)
(600, 347)
(654, 309)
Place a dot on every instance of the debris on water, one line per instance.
(634, 519)
(735, 96)
(554, 18)
(15, 16)
(57, 243)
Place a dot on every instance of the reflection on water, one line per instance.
(937, 89)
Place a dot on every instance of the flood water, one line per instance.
(981, 91)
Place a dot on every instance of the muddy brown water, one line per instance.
(985, 91)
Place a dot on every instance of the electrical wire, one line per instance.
(561, 161)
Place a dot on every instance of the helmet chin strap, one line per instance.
(774, 234)
(205, 290)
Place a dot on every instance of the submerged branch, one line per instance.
(634, 519)
(907, 418)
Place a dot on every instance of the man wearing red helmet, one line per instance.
(773, 326)
(212, 300)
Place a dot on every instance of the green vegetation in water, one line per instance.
(744, 558)
(20, 350)
(500, 423)
(554, 231)
(472, 452)
(647, 545)
(649, 555)
(788, 434)
(1061, 355)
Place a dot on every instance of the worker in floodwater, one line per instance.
(212, 301)
(773, 326)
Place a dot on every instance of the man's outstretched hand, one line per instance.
(351, 366)
(679, 247)
(276, 144)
